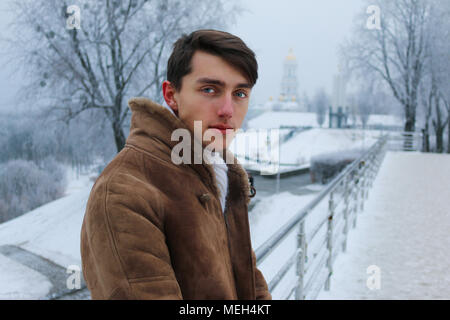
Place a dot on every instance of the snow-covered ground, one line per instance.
(20, 282)
(79, 181)
(51, 231)
(403, 231)
(301, 148)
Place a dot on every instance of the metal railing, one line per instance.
(345, 195)
(404, 141)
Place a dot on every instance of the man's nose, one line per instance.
(227, 107)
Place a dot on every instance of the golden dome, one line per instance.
(291, 55)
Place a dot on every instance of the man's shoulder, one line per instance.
(124, 183)
(124, 174)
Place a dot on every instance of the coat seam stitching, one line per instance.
(112, 238)
(150, 279)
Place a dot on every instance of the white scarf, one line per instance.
(220, 169)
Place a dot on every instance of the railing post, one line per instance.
(278, 182)
(372, 169)
(368, 175)
(330, 241)
(355, 196)
(346, 203)
(363, 184)
(301, 259)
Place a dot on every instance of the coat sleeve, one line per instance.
(123, 248)
(262, 290)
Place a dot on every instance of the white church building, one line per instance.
(288, 99)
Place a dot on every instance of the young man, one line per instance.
(158, 228)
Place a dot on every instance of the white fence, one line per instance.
(405, 141)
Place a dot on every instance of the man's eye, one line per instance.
(241, 94)
(208, 90)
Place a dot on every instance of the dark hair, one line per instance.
(219, 43)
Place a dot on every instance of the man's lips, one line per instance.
(222, 128)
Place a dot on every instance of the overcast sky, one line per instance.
(312, 28)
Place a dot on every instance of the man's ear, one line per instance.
(169, 96)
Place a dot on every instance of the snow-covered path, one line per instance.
(404, 231)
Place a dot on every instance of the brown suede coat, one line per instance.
(156, 230)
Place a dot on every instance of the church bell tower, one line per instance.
(289, 84)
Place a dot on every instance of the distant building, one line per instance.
(288, 100)
(339, 90)
(338, 119)
(289, 84)
(338, 113)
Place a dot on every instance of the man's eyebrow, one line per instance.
(221, 83)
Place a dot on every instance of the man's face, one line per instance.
(215, 93)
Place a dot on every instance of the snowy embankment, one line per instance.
(403, 233)
(51, 231)
(277, 119)
(296, 152)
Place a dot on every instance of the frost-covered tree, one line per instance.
(24, 185)
(321, 103)
(82, 55)
(365, 103)
(306, 103)
(440, 64)
(78, 143)
(435, 87)
(393, 49)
